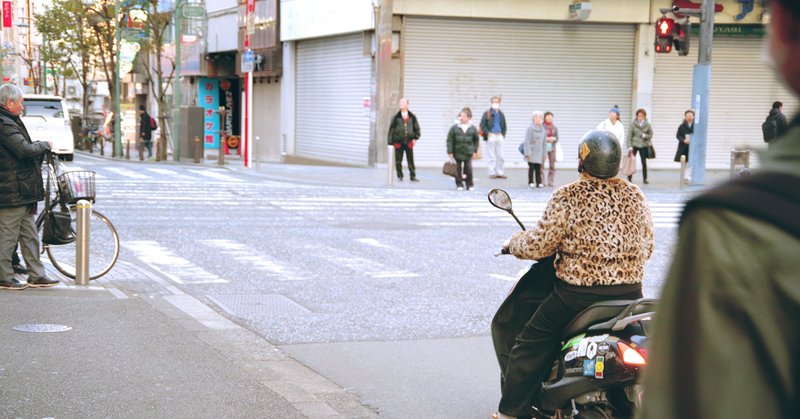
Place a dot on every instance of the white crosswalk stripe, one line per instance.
(255, 259)
(174, 267)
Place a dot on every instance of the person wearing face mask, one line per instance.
(613, 124)
(403, 135)
(493, 129)
(725, 339)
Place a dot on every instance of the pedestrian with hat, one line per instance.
(613, 124)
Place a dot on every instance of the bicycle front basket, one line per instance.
(77, 185)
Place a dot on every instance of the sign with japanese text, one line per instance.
(208, 99)
(7, 14)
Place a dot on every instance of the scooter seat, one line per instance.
(595, 313)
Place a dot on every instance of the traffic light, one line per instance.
(682, 37)
(664, 30)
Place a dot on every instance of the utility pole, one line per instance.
(117, 89)
(382, 93)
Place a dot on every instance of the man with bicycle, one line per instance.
(21, 188)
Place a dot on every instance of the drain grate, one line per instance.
(249, 305)
(41, 328)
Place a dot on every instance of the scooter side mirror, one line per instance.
(500, 199)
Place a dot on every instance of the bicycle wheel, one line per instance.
(103, 245)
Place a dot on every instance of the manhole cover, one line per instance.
(41, 328)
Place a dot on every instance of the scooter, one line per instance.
(604, 348)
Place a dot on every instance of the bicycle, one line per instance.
(71, 187)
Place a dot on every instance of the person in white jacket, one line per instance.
(613, 124)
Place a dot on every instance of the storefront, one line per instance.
(333, 77)
(576, 70)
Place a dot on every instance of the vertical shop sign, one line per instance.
(208, 96)
(7, 14)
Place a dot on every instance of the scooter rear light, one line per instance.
(630, 356)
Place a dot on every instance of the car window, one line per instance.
(46, 108)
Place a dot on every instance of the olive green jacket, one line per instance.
(727, 330)
(462, 144)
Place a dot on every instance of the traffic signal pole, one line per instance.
(701, 92)
(701, 78)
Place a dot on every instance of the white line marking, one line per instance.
(503, 277)
(127, 173)
(373, 242)
(174, 267)
(215, 175)
(250, 257)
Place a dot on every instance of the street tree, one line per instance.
(159, 67)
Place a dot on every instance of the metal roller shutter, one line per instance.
(742, 92)
(576, 70)
(267, 121)
(333, 79)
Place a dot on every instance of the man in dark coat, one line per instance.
(145, 130)
(21, 187)
(403, 135)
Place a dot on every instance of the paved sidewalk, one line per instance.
(323, 174)
(138, 348)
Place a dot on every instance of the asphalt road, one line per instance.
(387, 292)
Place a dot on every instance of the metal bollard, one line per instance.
(257, 147)
(739, 157)
(84, 210)
(198, 150)
(683, 172)
(390, 166)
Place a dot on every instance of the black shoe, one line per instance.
(400, 179)
(18, 269)
(646, 182)
(42, 282)
(12, 284)
(414, 179)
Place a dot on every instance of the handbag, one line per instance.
(628, 164)
(559, 152)
(521, 148)
(57, 227)
(651, 152)
(449, 168)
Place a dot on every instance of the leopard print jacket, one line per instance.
(600, 230)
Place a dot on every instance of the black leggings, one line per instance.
(643, 155)
(535, 169)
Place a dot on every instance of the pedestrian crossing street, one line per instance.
(159, 186)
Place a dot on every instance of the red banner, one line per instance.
(7, 15)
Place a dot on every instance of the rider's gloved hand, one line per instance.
(505, 250)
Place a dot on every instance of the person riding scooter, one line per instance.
(600, 232)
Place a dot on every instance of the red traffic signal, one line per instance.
(664, 33)
(664, 27)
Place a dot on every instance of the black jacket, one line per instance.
(20, 163)
(683, 149)
(145, 132)
(487, 122)
(400, 133)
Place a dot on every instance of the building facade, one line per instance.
(450, 54)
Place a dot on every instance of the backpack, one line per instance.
(770, 129)
(153, 124)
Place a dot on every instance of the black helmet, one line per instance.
(599, 153)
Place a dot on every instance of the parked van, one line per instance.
(46, 117)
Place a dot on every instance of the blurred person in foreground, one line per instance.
(726, 339)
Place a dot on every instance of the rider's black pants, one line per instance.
(537, 346)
